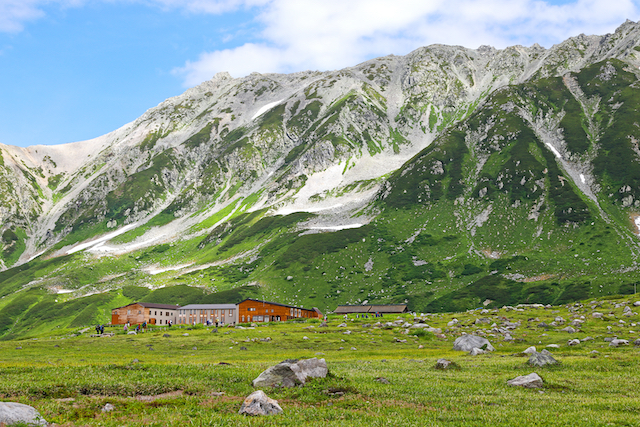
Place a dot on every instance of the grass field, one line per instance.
(201, 379)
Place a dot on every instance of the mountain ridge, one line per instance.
(447, 171)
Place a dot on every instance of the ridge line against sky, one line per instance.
(77, 69)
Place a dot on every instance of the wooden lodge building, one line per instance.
(253, 310)
(216, 314)
(140, 312)
(372, 309)
(247, 311)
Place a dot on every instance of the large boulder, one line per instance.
(292, 372)
(469, 342)
(17, 413)
(528, 381)
(258, 403)
(542, 358)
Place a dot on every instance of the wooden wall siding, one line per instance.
(136, 314)
(258, 311)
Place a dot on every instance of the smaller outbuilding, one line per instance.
(372, 309)
(141, 312)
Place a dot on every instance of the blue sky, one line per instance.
(76, 69)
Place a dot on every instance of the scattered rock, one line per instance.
(469, 342)
(383, 380)
(17, 413)
(186, 334)
(568, 329)
(586, 339)
(532, 380)
(19, 348)
(530, 350)
(323, 325)
(292, 372)
(108, 408)
(542, 358)
(132, 333)
(571, 343)
(618, 342)
(596, 315)
(194, 348)
(214, 331)
(342, 325)
(258, 403)
(444, 364)
(243, 348)
(166, 336)
(637, 342)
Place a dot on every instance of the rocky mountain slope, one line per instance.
(446, 178)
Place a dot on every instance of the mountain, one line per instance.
(446, 178)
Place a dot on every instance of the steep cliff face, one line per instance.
(311, 141)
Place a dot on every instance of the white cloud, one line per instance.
(308, 34)
(13, 13)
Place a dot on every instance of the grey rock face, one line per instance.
(290, 373)
(542, 358)
(15, 413)
(532, 380)
(258, 403)
(469, 342)
(476, 351)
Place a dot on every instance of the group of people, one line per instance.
(99, 329)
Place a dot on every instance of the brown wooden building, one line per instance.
(140, 312)
(380, 308)
(253, 310)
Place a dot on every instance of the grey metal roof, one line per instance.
(380, 308)
(208, 307)
(151, 305)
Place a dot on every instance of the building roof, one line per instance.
(273, 303)
(152, 305)
(370, 308)
(208, 307)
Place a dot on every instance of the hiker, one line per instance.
(137, 328)
(126, 327)
(144, 327)
(98, 329)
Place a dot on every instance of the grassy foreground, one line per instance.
(201, 379)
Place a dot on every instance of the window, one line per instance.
(167, 313)
(155, 313)
(128, 311)
(251, 309)
(115, 312)
(139, 311)
(229, 312)
(243, 318)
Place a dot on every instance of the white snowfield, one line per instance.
(265, 108)
(101, 240)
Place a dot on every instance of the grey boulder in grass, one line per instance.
(292, 372)
(16, 413)
(258, 403)
(469, 342)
